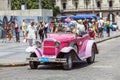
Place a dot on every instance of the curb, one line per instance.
(13, 64)
(25, 63)
(107, 39)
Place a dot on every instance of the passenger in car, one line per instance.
(80, 28)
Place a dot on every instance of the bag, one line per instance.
(25, 40)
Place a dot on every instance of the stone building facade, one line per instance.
(5, 5)
(107, 9)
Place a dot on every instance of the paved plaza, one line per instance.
(13, 54)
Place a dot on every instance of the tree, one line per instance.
(34, 4)
(16, 4)
(31, 4)
(56, 10)
(49, 4)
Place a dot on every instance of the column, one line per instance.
(81, 4)
(70, 5)
(93, 4)
(115, 3)
(58, 3)
(104, 3)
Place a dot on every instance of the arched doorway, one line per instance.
(111, 17)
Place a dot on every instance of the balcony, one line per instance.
(90, 9)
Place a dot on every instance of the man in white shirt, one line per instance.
(24, 27)
(31, 33)
(80, 28)
(100, 27)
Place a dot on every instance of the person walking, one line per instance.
(17, 31)
(100, 27)
(24, 27)
(108, 28)
(31, 34)
(45, 28)
(41, 31)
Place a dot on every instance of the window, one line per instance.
(110, 3)
(64, 5)
(98, 4)
(76, 5)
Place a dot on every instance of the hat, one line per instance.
(79, 20)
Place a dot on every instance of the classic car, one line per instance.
(61, 48)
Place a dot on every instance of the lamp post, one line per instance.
(93, 11)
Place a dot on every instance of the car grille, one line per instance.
(49, 48)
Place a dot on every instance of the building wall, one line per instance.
(92, 7)
(5, 4)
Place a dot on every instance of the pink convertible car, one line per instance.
(64, 49)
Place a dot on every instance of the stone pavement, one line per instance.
(13, 54)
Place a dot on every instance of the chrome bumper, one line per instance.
(42, 60)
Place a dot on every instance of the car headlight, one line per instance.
(57, 44)
(38, 44)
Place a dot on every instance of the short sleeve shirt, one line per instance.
(31, 32)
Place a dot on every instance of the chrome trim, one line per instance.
(57, 60)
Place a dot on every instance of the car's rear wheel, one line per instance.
(33, 64)
(92, 58)
(69, 63)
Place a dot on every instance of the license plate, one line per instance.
(44, 60)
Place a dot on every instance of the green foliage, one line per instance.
(34, 4)
(56, 10)
(16, 4)
(47, 4)
(31, 4)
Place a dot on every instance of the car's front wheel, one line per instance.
(33, 64)
(69, 63)
(92, 58)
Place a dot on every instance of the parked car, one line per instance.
(113, 27)
(64, 49)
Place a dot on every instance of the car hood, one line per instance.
(62, 37)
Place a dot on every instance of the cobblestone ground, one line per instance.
(106, 67)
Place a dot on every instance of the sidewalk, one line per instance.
(13, 54)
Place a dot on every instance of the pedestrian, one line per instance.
(100, 27)
(24, 27)
(108, 28)
(17, 31)
(51, 25)
(31, 34)
(41, 31)
(45, 28)
(5, 34)
(8, 32)
(60, 27)
(36, 27)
